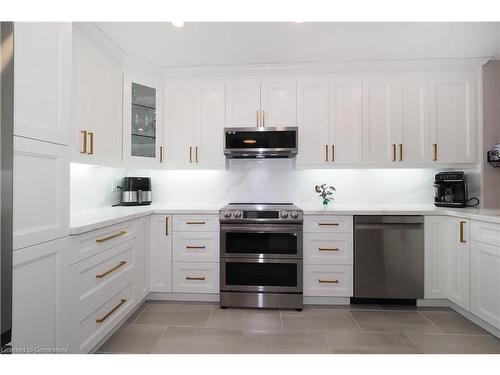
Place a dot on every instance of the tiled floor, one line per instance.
(178, 327)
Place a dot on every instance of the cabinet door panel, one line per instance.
(279, 102)
(346, 127)
(242, 103)
(436, 252)
(161, 253)
(453, 117)
(313, 121)
(42, 69)
(459, 264)
(378, 117)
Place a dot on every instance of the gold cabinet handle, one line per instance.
(100, 320)
(121, 233)
(333, 153)
(328, 249)
(166, 226)
(91, 136)
(434, 152)
(400, 152)
(161, 154)
(462, 223)
(190, 154)
(326, 152)
(196, 154)
(257, 118)
(199, 278)
(84, 143)
(195, 222)
(121, 264)
(335, 224)
(195, 247)
(394, 152)
(322, 281)
(263, 118)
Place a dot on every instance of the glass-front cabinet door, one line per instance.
(143, 130)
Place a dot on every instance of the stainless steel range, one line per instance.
(261, 255)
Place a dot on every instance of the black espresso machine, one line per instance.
(136, 191)
(450, 189)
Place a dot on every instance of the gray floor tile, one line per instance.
(393, 321)
(262, 342)
(175, 315)
(199, 341)
(455, 344)
(133, 338)
(132, 318)
(253, 319)
(370, 342)
(346, 307)
(452, 322)
(319, 320)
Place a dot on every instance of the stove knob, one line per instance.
(284, 214)
(227, 214)
(237, 214)
(294, 214)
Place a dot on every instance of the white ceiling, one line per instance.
(221, 43)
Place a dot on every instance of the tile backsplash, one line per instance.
(261, 181)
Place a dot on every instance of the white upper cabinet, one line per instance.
(279, 102)
(453, 117)
(142, 121)
(243, 103)
(313, 124)
(42, 70)
(97, 104)
(379, 138)
(267, 102)
(194, 124)
(346, 121)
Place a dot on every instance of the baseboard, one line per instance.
(326, 300)
(201, 297)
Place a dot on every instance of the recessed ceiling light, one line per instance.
(178, 23)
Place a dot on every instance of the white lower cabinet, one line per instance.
(195, 277)
(326, 248)
(160, 261)
(195, 247)
(40, 306)
(437, 243)
(459, 263)
(328, 280)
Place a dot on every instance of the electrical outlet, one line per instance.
(114, 187)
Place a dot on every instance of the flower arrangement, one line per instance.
(325, 192)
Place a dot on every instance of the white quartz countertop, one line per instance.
(91, 219)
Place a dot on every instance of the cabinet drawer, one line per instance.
(195, 247)
(326, 248)
(195, 277)
(91, 243)
(196, 223)
(328, 223)
(93, 323)
(485, 232)
(95, 276)
(330, 281)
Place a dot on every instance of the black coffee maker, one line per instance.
(450, 189)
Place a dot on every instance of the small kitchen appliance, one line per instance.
(136, 191)
(450, 189)
(261, 255)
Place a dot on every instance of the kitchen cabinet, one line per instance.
(143, 145)
(194, 124)
(40, 305)
(41, 192)
(453, 117)
(261, 102)
(42, 75)
(437, 243)
(161, 253)
(458, 272)
(96, 104)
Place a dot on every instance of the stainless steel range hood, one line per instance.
(260, 142)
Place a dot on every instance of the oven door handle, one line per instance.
(260, 228)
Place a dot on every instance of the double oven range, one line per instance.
(261, 255)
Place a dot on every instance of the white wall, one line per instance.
(260, 181)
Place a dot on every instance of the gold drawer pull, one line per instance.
(462, 223)
(434, 152)
(195, 222)
(91, 136)
(328, 249)
(100, 320)
(100, 276)
(195, 247)
(84, 145)
(335, 224)
(328, 281)
(394, 152)
(400, 152)
(121, 233)
(200, 278)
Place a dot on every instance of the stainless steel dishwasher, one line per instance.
(389, 257)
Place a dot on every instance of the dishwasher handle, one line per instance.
(391, 226)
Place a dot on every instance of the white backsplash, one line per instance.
(261, 181)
